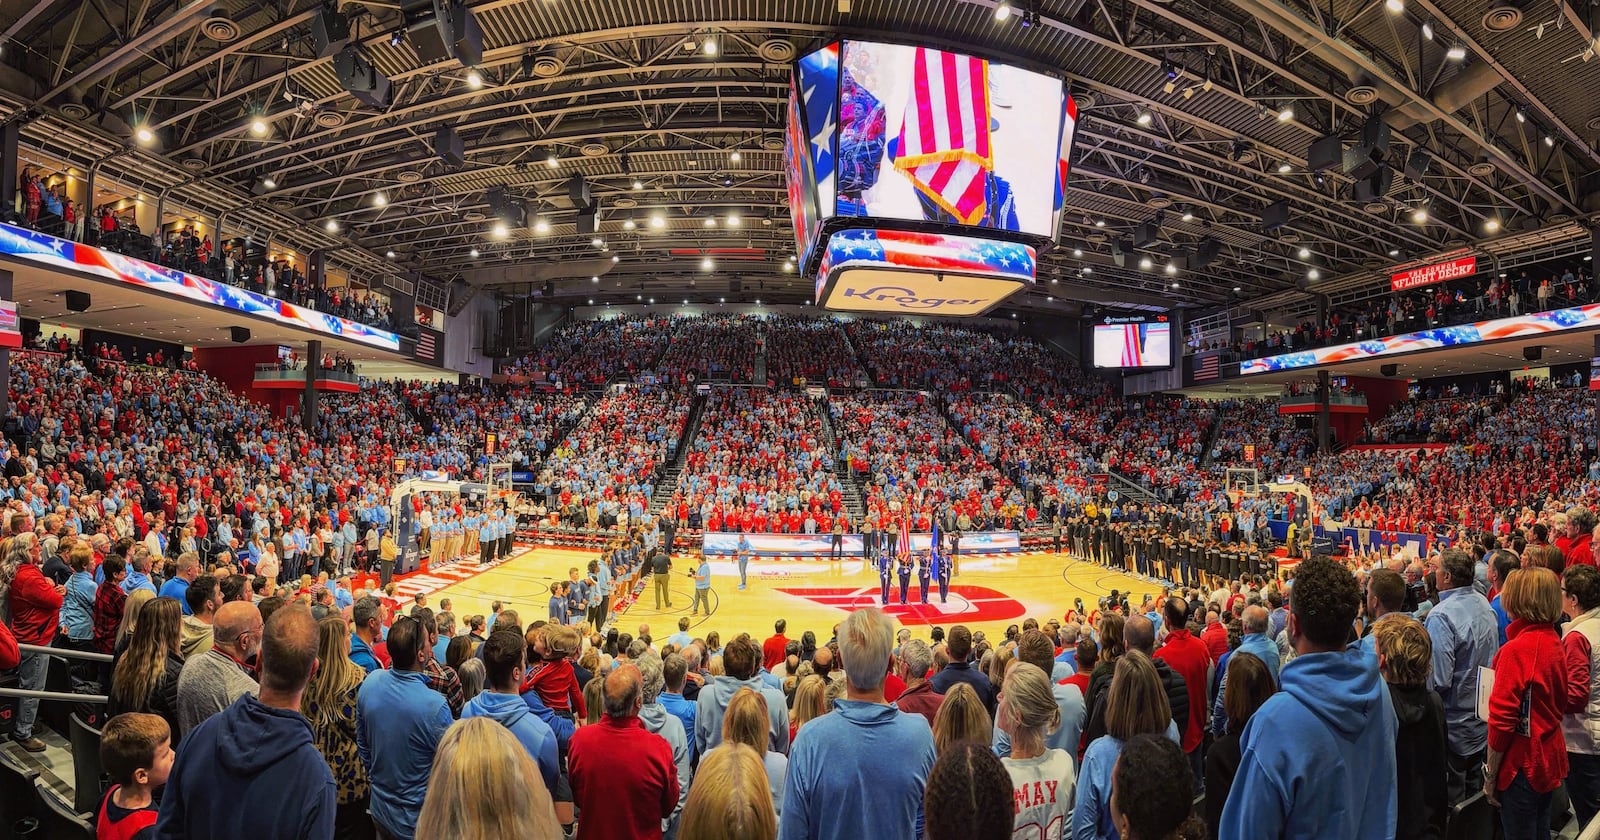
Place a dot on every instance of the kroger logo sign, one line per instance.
(904, 298)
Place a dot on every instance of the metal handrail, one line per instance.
(61, 696)
(65, 653)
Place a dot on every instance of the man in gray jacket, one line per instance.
(657, 719)
(741, 664)
(212, 680)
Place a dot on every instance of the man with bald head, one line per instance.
(253, 770)
(624, 780)
(1255, 623)
(212, 680)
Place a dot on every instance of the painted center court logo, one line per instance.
(968, 603)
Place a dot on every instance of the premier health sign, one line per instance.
(1427, 275)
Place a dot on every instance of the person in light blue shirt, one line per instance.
(1035, 647)
(399, 721)
(188, 570)
(702, 587)
(504, 662)
(1255, 622)
(862, 770)
(77, 607)
(1465, 637)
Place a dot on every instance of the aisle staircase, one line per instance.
(1211, 438)
(856, 352)
(667, 481)
(854, 499)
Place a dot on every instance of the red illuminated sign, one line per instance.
(1430, 274)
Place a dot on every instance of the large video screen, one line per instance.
(1133, 341)
(930, 135)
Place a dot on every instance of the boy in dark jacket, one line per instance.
(1405, 657)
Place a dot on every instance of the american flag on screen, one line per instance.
(944, 136)
(1132, 345)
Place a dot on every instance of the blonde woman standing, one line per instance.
(329, 703)
(485, 786)
(729, 799)
(809, 703)
(1043, 780)
(745, 722)
(961, 719)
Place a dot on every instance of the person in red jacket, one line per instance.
(772, 650)
(1580, 531)
(35, 605)
(1527, 758)
(1188, 656)
(9, 655)
(623, 778)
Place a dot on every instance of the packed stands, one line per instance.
(593, 352)
(615, 455)
(712, 347)
(812, 350)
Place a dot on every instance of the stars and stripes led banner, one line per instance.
(55, 252)
(920, 273)
(1520, 326)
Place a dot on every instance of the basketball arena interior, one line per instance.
(799, 419)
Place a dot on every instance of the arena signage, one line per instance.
(1429, 274)
(909, 273)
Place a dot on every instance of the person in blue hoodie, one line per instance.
(862, 770)
(399, 721)
(1319, 756)
(505, 657)
(252, 770)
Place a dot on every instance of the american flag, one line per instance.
(1207, 366)
(1132, 345)
(427, 346)
(903, 549)
(944, 136)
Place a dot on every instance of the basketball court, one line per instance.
(991, 592)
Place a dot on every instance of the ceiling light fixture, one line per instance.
(499, 230)
(711, 221)
(706, 264)
(1077, 252)
(735, 157)
(1172, 269)
(541, 225)
(597, 242)
(1491, 224)
(1305, 253)
(1395, 6)
(1284, 168)
(1427, 29)
(1002, 12)
(258, 126)
(638, 184)
(379, 199)
(1313, 274)
(1456, 53)
(332, 226)
(389, 254)
(1286, 113)
(629, 223)
(1100, 223)
(1187, 216)
(1419, 215)
(143, 134)
(709, 47)
(474, 79)
(733, 220)
(552, 161)
(1144, 118)
(1549, 141)
(1394, 252)
(1522, 116)
(473, 253)
(657, 222)
(269, 183)
(1145, 263)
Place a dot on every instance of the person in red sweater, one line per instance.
(623, 778)
(1580, 531)
(553, 678)
(35, 605)
(772, 649)
(10, 657)
(1527, 758)
(1215, 636)
(1188, 656)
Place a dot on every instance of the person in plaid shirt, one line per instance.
(441, 677)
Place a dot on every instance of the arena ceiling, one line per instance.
(1498, 93)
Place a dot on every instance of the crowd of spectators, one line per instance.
(810, 351)
(712, 347)
(613, 459)
(592, 352)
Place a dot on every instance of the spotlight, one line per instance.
(1305, 253)
(499, 230)
(1549, 141)
(541, 225)
(1286, 113)
(258, 126)
(473, 253)
(1002, 12)
(1456, 52)
(332, 226)
(1145, 263)
(1395, 6)
(552, 161)
(474, 79)
(143, 134)
(1144, 118)
(396, 38)
(735, 157)
(379, 199)
(657, 222)
(269, 183)
(706, 264)
(710, 46)
(1427, 29)
(1522, 116)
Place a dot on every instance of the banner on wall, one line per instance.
(821, 545)
(1594, 374)
(1361, 539)
(1427, 275)
(10, 325)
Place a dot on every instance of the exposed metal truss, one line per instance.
(624, 94)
